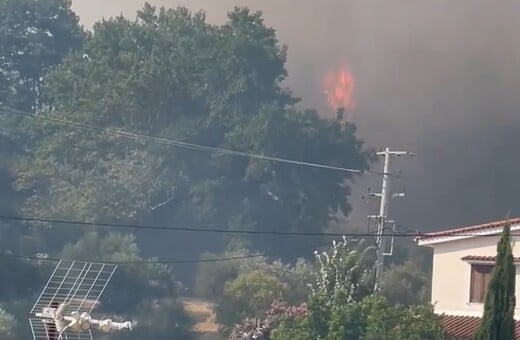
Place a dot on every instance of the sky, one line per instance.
(438, 78)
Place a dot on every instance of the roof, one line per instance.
(475, 258)
(470, 230)
(465, 327)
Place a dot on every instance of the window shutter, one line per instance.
(487, 279)
(480, 277)
(476, 287)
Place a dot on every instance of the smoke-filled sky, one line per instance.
(439, 78)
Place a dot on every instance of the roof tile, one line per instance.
(464, 230)
(477, 258)
(465, 327)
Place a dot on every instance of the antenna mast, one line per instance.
(62, 312)
(381, 219)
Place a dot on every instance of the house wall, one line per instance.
(451, 275)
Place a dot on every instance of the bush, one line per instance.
(163, 319)
(212, 277)
(280, 315)
(248, 296)
(342, 305)
(405, 284)
(7, 325)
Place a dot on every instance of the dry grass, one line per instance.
(203, 314)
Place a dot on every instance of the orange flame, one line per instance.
(339, 89)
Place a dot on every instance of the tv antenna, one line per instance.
(62, 311)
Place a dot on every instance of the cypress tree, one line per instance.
(498, 320)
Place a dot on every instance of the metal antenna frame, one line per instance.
(80, 282)
(69, 296)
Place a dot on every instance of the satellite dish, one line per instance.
(62, 311)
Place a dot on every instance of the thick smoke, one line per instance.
(439, 78)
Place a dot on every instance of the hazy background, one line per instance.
(439, 78)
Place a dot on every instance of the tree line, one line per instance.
(169, 74)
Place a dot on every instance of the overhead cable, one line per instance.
(181, 144)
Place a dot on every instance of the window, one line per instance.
(480, 276)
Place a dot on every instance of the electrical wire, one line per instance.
(409, 233)
(150, 262)
(176, 143)
(177, 228)
(214, 260)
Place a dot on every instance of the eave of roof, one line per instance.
(467, 232)
(484, 259)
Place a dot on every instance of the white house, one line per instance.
(462, 262)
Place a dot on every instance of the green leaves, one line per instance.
(405, 284)
(249, 295)
(342, 305)
(246, 288)
(384, 321)
(171, 75)
(34, 37)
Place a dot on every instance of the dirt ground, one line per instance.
(205, 318)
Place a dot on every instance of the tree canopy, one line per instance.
(34, 37)
(128, 123)
(171, 75)
(342, 305)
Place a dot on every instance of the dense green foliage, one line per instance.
(171, 75)
(345, 279)
(499, 308)
(246, 288)
(34, 37)
(405, 284)
(212, 277)
(371, 318)
(342, 305)
(249, 295)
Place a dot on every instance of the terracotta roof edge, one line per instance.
(464, 230)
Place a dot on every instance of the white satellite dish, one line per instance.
(62, 312)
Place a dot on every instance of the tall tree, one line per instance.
(34, 37)
(498, 320)
(172, 75)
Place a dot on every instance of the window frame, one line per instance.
(484, 276)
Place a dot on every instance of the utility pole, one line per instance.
(383, 208)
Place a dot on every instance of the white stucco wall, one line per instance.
(451, 275)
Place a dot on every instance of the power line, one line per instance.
(409, 233)
(177, 228)
(149, 262)
(211, 260)
(55, 259)
(187, 145)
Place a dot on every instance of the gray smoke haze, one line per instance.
(439, 78)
